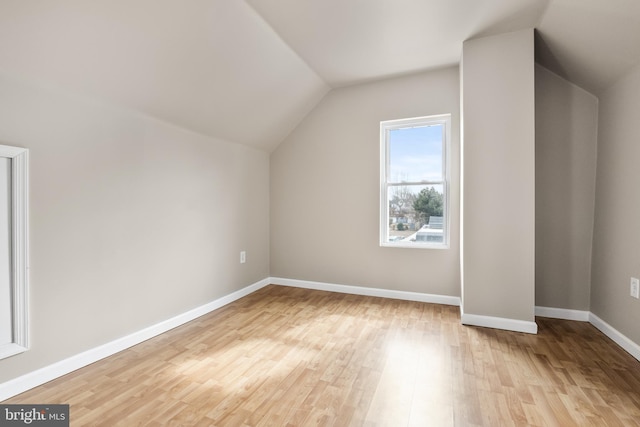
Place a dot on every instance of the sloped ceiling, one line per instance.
(347, 42)
(590, 42)
(213, 66)
(248, 71)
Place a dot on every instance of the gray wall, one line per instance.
(499, 178)
(616, 251)
(325, 190)
(133, 221)
(566, 144)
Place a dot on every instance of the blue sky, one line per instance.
(415, 154)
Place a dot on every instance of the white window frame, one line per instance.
(19, 158)
(386, 181)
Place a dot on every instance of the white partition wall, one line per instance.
(498, 214)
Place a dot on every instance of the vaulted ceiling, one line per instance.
(249, 71)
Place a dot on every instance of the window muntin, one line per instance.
(414, 209)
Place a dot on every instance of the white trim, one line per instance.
(562, 313)
(11, 349)
(471, 319)
(63, 367)
(586, 316)
(11, 152)
(499, 323)
(373, 292)
(631, 347)
(385, 182)
(19, 249)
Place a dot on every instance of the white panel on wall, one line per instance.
(6, 323)
(14, 250)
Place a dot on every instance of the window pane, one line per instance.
(415, 154)
(416, 213)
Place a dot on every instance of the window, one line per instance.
(414, 176)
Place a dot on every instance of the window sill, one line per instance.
(410, 245)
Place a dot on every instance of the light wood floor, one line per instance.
(294, 357)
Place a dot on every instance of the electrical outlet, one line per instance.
(635, 288)
(243, 257)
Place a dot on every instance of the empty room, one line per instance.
(322, 212)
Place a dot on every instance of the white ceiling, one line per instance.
(347, 42)
(590, 42)
(249, 71)
(213, 66)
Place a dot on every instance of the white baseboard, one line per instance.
(499, 323)
(631, 347)
(485, 321)
(586, 316)
(63, 367)
(372, 292)
(562, 313)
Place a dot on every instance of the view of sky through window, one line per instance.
(415, 154)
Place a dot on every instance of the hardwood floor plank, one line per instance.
(294, 357)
